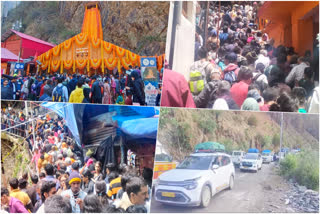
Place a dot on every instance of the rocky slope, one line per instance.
(138, 26)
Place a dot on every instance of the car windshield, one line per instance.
(163, 157)
(196, 162)
(236, 153)
(265, 154)
(251, 156)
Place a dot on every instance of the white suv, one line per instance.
(251, 161)
(195, 180)
(237, 157)
(267, 157)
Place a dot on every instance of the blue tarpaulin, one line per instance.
(143, 124)
(66, 111)
(253, 150)
(145, 111)
(266, 151)
(140, 128)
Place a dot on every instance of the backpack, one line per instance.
(254, 79)
(214, 87)
(230, 76)
(196, 80)
(57, 95)
(34, 89)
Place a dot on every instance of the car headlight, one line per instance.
(191, 184)
(156, 182)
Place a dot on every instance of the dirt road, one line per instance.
(253, 192)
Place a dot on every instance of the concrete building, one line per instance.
(180, 41)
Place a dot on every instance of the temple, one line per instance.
(87, 53)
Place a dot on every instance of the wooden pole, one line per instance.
(218, 26)
(206, 25)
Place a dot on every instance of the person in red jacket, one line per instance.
(239, 90)
(176, 92)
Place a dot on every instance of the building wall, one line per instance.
(29, 48)
(13, 44)
(184, 42)
(302, 30)
(289, 28)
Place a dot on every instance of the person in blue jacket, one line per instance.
(6, 90)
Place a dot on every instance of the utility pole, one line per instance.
(281, 133)
(175, 23)
(26, 108)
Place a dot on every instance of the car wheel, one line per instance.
(231, 182)
(205, 196)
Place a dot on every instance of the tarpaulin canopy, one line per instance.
(7, 55)
(140, 128)
(145, 111)
(266, 151)
(66, 111)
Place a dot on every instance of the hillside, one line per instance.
(140, 27)
(181, 129)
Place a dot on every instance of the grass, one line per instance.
(303, 168)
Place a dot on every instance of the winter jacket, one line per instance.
(207, 96)
(120, 100)
(86, 93)
(45, 97)
(72, 85)
(76, 96)
(176, 91)
(296, 73)
(6, 92)
(231, 103)
(137, 89)
(96, 95)
(239, 92)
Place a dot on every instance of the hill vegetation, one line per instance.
(181, 129)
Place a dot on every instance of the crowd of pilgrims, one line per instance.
(63, 180)
(241, 68)
(124, 89)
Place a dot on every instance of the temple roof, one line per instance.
(92, 21)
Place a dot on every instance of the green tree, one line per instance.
(276, 140)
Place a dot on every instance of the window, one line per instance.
(225, 161)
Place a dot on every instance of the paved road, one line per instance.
(248, 195)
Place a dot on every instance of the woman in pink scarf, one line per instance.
(107, 93)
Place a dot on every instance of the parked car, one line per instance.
(267, 156)
(196, 180)
(237, 157)
(162, 162)
(252, 162)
